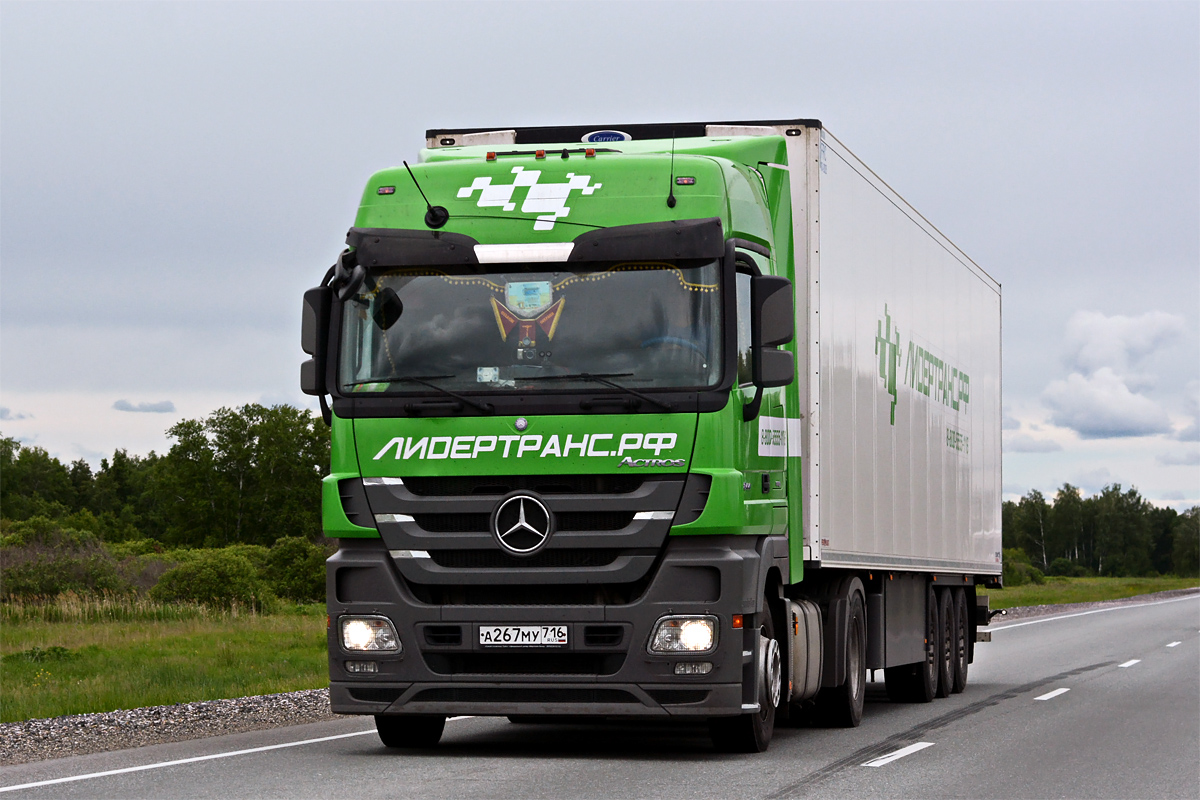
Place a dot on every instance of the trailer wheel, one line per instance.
(751, 733)
(946, 638)
(917, 683)
(842, 706)
(412, 731)
(962, 653)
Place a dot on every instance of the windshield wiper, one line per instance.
(603, 378)
(424, 380)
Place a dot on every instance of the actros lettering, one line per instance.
(594, 445)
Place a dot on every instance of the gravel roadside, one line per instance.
(79, 734)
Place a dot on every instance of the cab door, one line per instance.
(763, 436)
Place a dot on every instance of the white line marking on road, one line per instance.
(1130, 663)
(1096, 611)
(179, 761)
(1055, 693)
(1174, 644)
(901, 753)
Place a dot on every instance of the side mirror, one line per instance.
(314, 335)
(773, 322)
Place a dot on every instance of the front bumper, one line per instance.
(604, 671)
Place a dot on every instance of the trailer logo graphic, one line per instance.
(924, 372)
(547, 200)
(887, 347)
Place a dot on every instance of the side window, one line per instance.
(745, 372)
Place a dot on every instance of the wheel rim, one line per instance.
(772, 675)
(854, 662)
(931, 650)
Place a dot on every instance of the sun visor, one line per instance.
(394, 247)
(689, 238)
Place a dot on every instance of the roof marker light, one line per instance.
(589, 152)
(540, 154)
(682, 181)
(386, 190)
(491, 156)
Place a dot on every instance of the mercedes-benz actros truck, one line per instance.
(694, 421)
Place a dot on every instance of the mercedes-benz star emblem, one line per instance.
(522, 524)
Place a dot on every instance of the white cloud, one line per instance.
(1024, 443)
(1093, 480)
(1101, 406)
(8, 414)
(1010, 423)
(1191, 433)
(1188, 458)
(1096, 341)
(161, 407)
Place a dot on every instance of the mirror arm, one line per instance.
(326, 411)
(750, 410)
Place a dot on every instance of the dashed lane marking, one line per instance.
(1174, 644)
(1049, 695)
(1130, 663)
(901, 753)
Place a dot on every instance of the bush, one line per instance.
(296, 569)
(1066, 568)
(40, 558)
(1018, 571)
(215, 578)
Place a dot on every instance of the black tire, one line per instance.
(842, 706)
(410, 731)
(946, 637)
(917, 683)
(751, 733)
(962, 644)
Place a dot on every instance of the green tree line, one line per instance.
(1114, 532)
(249, 475)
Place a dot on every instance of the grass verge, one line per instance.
(1056, 591)
(159, 656)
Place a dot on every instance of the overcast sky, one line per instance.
(174, 175)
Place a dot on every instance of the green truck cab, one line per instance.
(564, 366)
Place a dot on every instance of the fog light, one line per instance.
(684, 635)
(359, 667)
(369, 633)
(693, 668)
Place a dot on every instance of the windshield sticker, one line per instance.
(595, 445)
(487, 374)
(527, 298)
(547, 200)
(370, 387)
(527, 335)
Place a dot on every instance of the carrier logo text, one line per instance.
(594, 445)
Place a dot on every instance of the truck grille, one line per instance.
(495, 559)
(567, 521)
(448, 485)
(612, 529)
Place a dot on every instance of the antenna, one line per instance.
(671, 187)
(435, 216)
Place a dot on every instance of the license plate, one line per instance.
(523, 635)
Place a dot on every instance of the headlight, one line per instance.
(369, 633)
(684, 635)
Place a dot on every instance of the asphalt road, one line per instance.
(1092, 705)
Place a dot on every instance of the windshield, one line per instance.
(643, 325)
